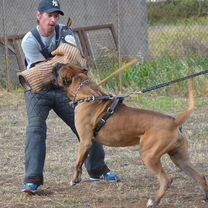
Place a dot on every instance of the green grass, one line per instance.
(153, 72)
(164, 103)
(193, 21)
(158, 103)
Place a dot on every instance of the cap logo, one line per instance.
(55, 3)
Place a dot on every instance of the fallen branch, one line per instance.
(121, 69)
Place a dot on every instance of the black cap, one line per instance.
(50, 6)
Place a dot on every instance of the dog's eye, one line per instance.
(67, 82)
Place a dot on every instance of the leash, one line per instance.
(161, 85)
(119, 99)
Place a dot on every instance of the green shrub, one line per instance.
(165, 69)
(171, 11)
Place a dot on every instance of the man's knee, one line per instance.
(36, 126)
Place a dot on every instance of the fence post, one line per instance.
(7, 67)
(119, 52)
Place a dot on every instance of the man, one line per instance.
(37, 47)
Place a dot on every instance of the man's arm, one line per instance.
(31, 50)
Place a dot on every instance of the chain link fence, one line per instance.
(108, 32)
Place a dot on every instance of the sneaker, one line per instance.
(30, 188)
(109, 177)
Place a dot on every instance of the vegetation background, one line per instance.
(178, 46)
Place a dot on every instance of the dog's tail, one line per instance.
(181, 118)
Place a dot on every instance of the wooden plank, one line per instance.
(18, 55)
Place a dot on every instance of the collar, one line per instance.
(94, 98)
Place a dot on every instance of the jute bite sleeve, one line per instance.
(40, 76)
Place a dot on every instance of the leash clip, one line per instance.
(89, 99)
(103, 121)
(73, 105)
(111, 97)
(111, 111)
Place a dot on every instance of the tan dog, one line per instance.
(156, 133)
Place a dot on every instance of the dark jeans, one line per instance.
(38, 107)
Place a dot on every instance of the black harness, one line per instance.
(116, 101)
(44, 49)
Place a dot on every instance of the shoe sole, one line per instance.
(102, 179)
(95, 179)
(29, 191)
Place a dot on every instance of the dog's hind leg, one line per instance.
(152, 147)
(83, 150)
(181, 158)
(165, 180)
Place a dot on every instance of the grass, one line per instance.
(14, 97)
(161, 103)
(154, 72)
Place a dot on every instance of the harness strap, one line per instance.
(45, 51)
(117, 100)
(93, 98)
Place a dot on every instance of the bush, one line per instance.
(165, 69)
(171, 11)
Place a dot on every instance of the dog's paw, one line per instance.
(74, 182)
(205, 199)
(152, 203)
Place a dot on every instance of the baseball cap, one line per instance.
(50, 6)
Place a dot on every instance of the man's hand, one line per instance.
(66, 53)
(57, 52)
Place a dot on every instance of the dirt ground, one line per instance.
(137, 183)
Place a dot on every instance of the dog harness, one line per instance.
(116, 101)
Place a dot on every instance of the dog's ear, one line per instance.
(75, 68)
(56, 69)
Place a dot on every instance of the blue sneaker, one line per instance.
(109, 177)
(30, 188)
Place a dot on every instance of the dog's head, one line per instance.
(63, 73)
(72, 78)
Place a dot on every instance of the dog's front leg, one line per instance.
(83, 151)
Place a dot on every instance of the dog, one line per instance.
(156, 133)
